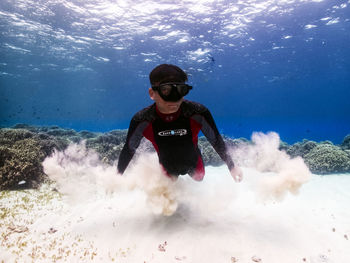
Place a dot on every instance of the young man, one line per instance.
(172, 125)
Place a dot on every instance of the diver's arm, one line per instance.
(211, 132)
(133, 140)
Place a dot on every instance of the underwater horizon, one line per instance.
(278, 66)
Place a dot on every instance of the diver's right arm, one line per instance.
(133, 139)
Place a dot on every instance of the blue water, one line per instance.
(257, 65)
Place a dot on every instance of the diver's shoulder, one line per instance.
(192, 107)
(146, 114)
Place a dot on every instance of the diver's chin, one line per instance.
(173, 106)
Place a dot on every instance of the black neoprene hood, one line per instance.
(167, 73)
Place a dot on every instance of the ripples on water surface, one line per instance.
(274, 65)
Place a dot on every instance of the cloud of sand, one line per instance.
(161, 190)
(280, 174)
(80, 176)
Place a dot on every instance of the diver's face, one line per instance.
(163, 106)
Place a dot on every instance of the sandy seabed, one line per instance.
(216, 220)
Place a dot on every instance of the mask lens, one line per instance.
(182, 89)
(165, 89)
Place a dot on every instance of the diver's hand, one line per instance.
(237, 174)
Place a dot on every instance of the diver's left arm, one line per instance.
(211, 132)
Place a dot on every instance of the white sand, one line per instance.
(277, 214)
(218, 220)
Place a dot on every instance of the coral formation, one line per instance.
(301, 148)
(21, 154)
(108, 145)
(327, 158)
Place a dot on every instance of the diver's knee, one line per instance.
(198, 176)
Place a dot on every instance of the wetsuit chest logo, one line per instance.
(178, 132)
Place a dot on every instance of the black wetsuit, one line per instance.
(175, 138)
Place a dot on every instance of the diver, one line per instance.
(172, 125)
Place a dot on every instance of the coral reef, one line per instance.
(24, 147)
(323, 157)
(210, 156)
(327, 158)
(108, 145)
(21, 155)
(300, 148)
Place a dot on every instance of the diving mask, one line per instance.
(172, 91)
